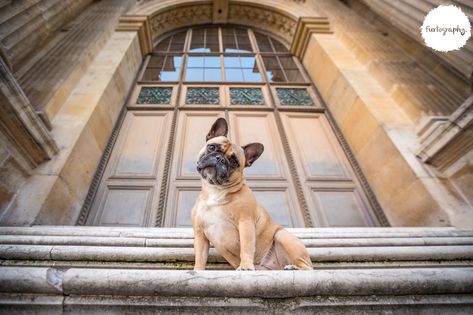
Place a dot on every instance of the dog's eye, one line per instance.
(234, 161)
(211, 147)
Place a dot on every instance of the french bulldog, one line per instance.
(227, 215)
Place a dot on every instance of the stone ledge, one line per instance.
(264, 284)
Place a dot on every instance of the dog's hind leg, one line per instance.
(291, 251)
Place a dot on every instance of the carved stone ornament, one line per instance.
(262, 18)
(182, 16)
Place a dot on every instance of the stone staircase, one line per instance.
(108, 270)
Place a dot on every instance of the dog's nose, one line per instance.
(219, 159)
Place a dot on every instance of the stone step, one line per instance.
(351, 291)
(168, 247)
(114, 270)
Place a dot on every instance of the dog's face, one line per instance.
(220, 161)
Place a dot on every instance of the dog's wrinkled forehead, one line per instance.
(225, 146)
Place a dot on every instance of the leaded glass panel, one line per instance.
(155, 95)
(246, 96)
(297, 97)
(203, 95)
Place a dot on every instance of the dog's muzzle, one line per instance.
(214, 168)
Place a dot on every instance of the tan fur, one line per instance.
(242, 231)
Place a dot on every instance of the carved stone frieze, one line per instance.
(180, 17)
(273, 21)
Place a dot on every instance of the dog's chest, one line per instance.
(216, 224)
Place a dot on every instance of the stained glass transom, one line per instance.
(203, 95)
(155, 95)
(246, 96)
(298, 97)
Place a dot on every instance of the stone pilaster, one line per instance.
(140, 24)
(305, 27)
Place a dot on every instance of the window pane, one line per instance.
(212, 74)
(294, 76)
(195, 74)
(212, 62)
(163, 45)
(244, 43)
(169, 75)
(195, 62)
(234, 75)
(241, 32)
(271, 63)
(278, 46)
(172, 62)
(263, 43)
(156, 62)
(229, 44)
(252, 75)
(150, 74)
(231, 62)
(197, 41)
(213, 47)
(176, 47)
(288, 63)
(276, 76)
(248, 62)
(211, 36)
(179, 37)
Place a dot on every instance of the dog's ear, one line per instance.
(252, 152)
(219, 128)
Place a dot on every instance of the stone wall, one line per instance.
(28, 25)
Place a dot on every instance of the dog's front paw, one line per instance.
(290, 267)
(245, 267)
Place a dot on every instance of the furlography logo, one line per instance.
(446, 28)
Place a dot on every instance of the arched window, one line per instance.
(193, 76)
